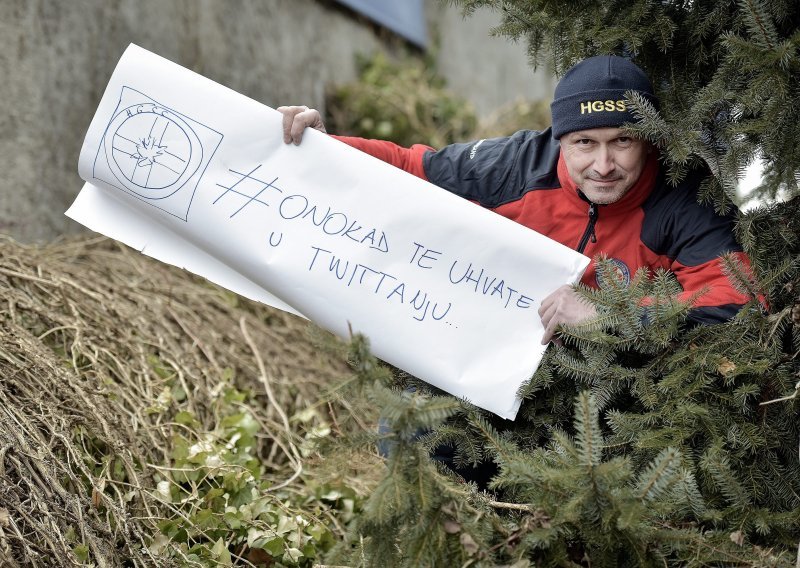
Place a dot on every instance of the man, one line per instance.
(587, 184)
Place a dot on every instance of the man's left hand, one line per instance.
(564, 306)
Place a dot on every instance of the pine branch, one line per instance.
(690, 493)
(717, 464)
(588, 438)
(740, 275)
(758, 23)
(659, 476)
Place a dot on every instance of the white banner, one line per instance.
(197, 175)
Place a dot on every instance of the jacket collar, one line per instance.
(631, 200)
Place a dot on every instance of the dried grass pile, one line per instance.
(107, 358)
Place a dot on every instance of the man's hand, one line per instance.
(296, 119)
(563, 306)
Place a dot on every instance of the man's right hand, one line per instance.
(296, 119)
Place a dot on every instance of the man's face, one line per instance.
(604, 162)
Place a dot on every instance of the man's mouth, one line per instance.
(605, 181)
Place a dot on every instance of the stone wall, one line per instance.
(56, 57)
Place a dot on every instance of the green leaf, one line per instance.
(233, 396)
(317, 532)
(81, 552)
(186, 418)
(275, 547)
(233, 520)
(204, 519)
(286, 524)
(70, 535)
(242, 422)
(213, 493)
(295, 554)
(221, 553)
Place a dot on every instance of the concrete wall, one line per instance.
(489, 71)
(56, 57)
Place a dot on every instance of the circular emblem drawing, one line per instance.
(152, 151)
(619, 270)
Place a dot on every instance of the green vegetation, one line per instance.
(148, 418)
(407, 101)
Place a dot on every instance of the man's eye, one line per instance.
(625, 140)
(584, 142)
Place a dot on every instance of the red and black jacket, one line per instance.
(524, 178)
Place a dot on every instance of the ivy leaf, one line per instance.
(204, 519)
(275, 546)
(317, 532)
(295, 554)
(232, 520)
(286, 524)
(221, 553)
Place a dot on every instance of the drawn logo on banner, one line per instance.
(154, 153)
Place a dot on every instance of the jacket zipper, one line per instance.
(589, 232)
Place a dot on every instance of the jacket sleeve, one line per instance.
(694, 237)
(719, 301)
(491, 171)
(407, 159)
(495, 171)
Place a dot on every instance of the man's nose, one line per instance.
(604, 161)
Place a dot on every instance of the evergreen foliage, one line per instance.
(637, 444)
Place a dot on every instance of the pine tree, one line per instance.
(636, 445)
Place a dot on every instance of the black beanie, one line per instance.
(592, 94)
